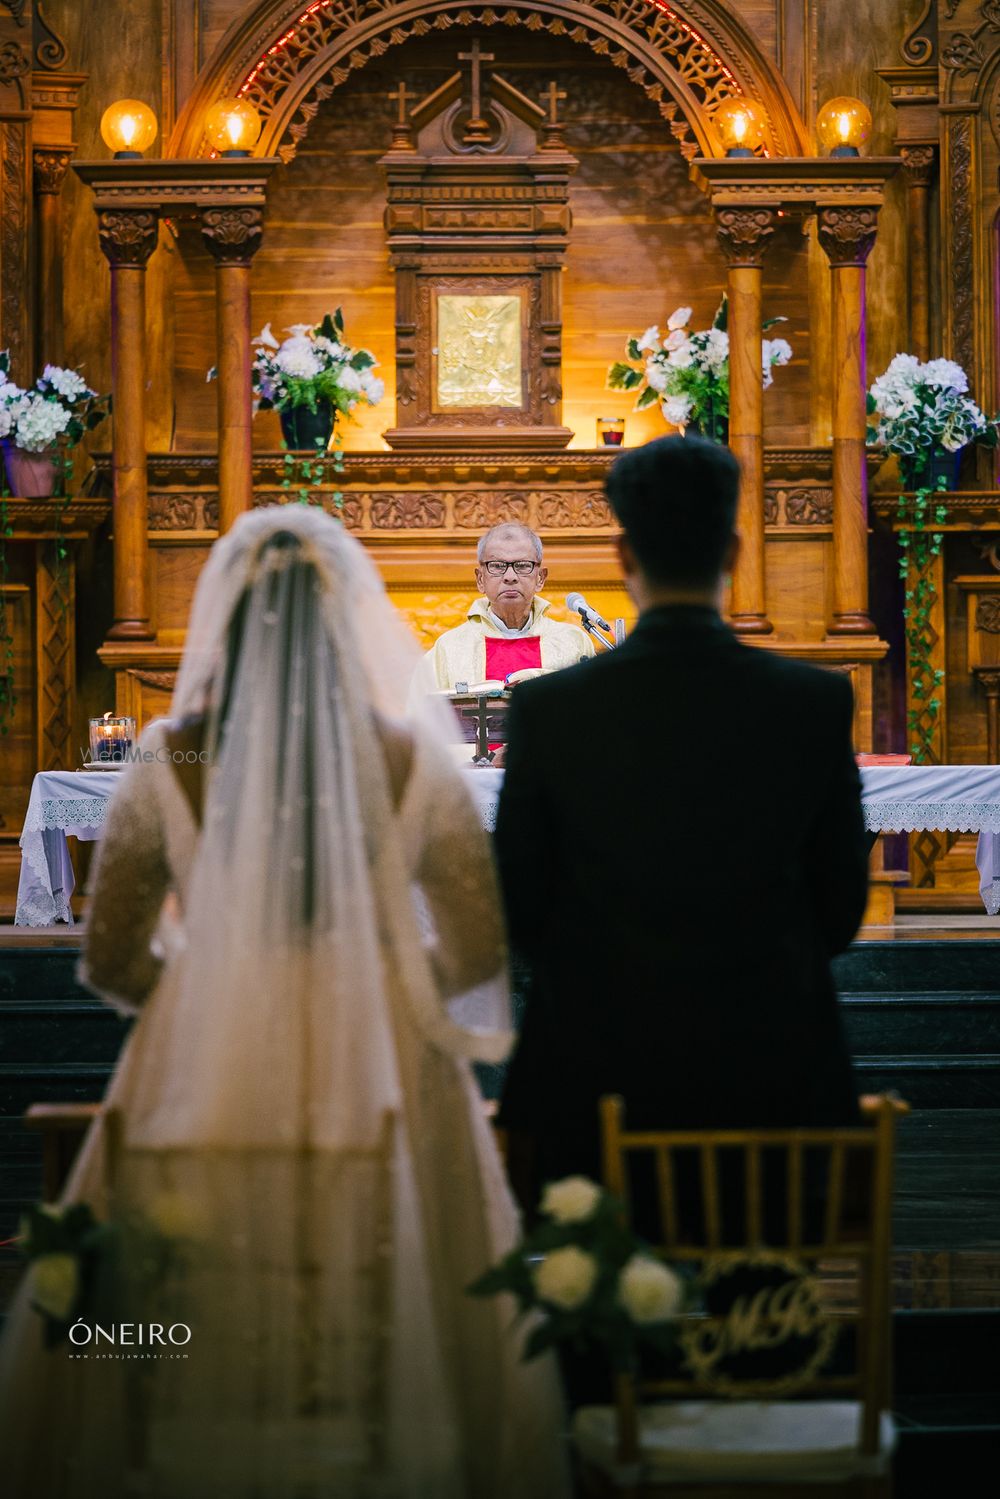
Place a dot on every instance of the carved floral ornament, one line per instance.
(49, 164)
(232, 235)
(127, 235)
(687, 58)
(744, 234)
(848, 234)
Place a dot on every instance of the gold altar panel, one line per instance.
(478, 344)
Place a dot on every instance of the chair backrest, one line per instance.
(803, 1197)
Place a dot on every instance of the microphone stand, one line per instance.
(592, 629)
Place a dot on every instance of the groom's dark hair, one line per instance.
(676, 501)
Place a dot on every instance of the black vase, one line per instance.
(939, 465)
(944, 465)
(305, 430)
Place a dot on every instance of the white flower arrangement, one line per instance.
(688, 372)
(587, 1279)
(311, 365)
(915, 410)
(571, 1200)
(60, 405)
(566, 1277)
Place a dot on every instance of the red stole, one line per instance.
(507, 653)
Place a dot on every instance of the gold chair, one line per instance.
(720, 1438)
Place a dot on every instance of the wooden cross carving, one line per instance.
(553, 125)
(401, 94)
(476, 57)
(401, 128)
(552, 97)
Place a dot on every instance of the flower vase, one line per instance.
(305, 430)
(946, 466)
(30, 476)
(924, 471)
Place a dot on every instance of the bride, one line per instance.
(293, 1144)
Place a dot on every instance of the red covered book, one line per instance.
(884, 759)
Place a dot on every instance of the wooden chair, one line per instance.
(838, 1441)
(62, 1127)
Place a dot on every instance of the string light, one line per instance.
(660, 5)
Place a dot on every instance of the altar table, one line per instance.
(61, 802)
(897, 799)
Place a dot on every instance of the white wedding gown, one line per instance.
(300, 1154)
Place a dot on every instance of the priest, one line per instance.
(508, 628)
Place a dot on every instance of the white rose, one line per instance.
(716, 348)
(780, 350)
(945, 373)
(679, 319)
(906, 366)
(677, 409)
(39, 422)
(566, 1277)
(334, 351)
(300, 330)
(67, 383)
(298, 357)
(571, 1200)
(682, 358)
(350, 380)
(648, 1291)
(54, 1282)
(656, 375)
(649, 340)
(675, 340)
(373, 387)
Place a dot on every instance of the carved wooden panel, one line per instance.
(54, 654)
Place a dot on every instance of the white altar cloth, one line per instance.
(61, 802)
(897, 799)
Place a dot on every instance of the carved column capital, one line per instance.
(918, 163)
(128, 235)
(988, 678)
(744, 234)
(49, 164)
(848, 234)
(232, 235)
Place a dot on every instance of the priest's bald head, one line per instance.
(509, 571)
(676, 501)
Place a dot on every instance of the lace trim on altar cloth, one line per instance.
(940, 817)
(83, 812)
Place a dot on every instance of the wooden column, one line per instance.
(918, 164)
(744, 234)
(128, 239)
(989, 680)
(50, 163)
(847, 235)
(233, 236)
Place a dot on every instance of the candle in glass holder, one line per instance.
(111, 739)
(610, 431)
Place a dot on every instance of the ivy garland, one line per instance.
(305, 475)
(918, 548)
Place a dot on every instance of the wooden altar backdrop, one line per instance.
(656, 219)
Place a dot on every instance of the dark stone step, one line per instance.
(934, 1082)
(60, 1033)
(927, 1023)
(917, 967)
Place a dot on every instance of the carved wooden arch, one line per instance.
(286, 57)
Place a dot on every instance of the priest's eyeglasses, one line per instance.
(497, 569)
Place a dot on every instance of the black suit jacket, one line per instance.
(682, 849)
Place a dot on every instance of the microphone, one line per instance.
(579, 603)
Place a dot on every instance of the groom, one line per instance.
(697, 804)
